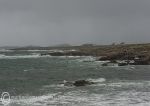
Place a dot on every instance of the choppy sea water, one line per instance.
(34, 80)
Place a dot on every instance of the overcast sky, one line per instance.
(50, 22)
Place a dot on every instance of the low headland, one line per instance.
(122, 54)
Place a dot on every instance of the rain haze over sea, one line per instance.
(32, 78)
(51, 22)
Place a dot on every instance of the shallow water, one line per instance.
(33, 80)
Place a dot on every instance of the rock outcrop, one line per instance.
(68, 53)
(82, 83)
(127, 58)
(118, 56)
(78, 83)
(136, 61)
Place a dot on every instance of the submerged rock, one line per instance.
(82, 83)
(78, 83)
(123, 64)
(105, 64)
(57, 54)
(43, 54)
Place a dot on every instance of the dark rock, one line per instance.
(140, 62)
(77, 83)
(105, 64)
(57, 54)
(113, 61)
(43, 54)
(118, 56)
(104, 58)
(69, 53)
(122, 64)
(76, 53)
(82, 83)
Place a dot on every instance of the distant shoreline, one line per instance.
(97, 50)
(138, 54)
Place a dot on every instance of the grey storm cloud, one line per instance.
(50, 22)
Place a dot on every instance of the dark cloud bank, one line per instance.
(50, 22)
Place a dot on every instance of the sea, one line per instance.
(34, 80)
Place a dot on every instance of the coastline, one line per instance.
(139, 53)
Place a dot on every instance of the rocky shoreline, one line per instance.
(121, 54)
(127, 58)
(120, 58)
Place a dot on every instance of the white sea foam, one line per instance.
(86, 59)
(37, 55)
(102, 61)
(32, 100)
(36, 50)
(125, 84)
(2, 56)
(69, 56)
(6, 50)
(54, 50)
(99, 80)
(83, 98)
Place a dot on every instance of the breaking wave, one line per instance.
(3, 56)
(83, 98)
(87, 59)
(6, 50)
(99, 80)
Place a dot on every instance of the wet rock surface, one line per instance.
(78, 83)
(82, 83)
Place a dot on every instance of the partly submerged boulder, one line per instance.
(82, 83)
(105, 64)
(123, 64)
(57, 54)
(77, 83)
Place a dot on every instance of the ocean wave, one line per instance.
(38, 55)
(87, 59)
(103, 61)
(99, 80)
(32, 100)
(3, 56)
(54, 50)
(83, 98)
(6, 50)
(125, 84)
(69, 57)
